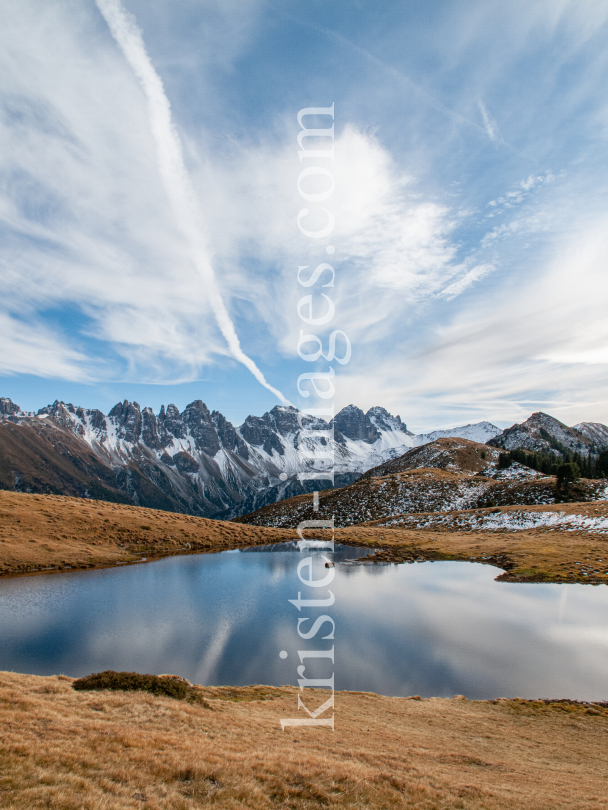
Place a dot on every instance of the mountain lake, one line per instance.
(429, 629)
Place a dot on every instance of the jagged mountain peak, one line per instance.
(196, 461)
(353, 424)
(8, 407)
(384, 420)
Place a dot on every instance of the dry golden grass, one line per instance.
(535, 555)
(53, 532)
(69, 750)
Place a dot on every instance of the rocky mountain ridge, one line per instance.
(543, 433)
(197, 462)
(443, 477)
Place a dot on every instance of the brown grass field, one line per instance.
(44, 533)
(69, 750)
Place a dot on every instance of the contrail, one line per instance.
(127, 34)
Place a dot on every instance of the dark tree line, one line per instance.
(585, 466)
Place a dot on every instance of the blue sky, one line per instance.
(471, 238)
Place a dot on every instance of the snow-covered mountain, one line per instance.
(478, 432)
(198, 462)
(194, 461)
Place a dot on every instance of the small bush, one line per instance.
(134, 682)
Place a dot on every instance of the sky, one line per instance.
(149, 240)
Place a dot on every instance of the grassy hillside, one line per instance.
(69, 750)
(55, 532)
(44, 533)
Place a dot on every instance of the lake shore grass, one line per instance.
(52, 533)
(46, 533)
(72, 750)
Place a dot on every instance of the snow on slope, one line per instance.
(479, 432)
(501, 521)
(594, 431)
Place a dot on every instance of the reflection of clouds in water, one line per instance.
(213, 653)
(478, 633)
(562, 602)
(430, 628)
(131, 640)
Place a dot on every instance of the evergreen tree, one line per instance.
(601, 466)
(567, 473)
(504, 461)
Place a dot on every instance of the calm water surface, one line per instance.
(439, 628)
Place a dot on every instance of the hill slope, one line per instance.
(115, 750)
(543, 433)
(442, 476)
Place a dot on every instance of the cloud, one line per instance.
(85, 219)
(517, 195)
(541, 345)
(447, 251)
(470, 277)
(489, 123)
(395, 246)
(32, 348)
(175, 176)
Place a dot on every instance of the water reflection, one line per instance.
(438, 628)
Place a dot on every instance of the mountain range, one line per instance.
(197, 462)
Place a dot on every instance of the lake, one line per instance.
(432, 629)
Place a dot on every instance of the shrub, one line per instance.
(134, 682)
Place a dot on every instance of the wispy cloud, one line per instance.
(448, 252)
(32, 348)
(489, 123)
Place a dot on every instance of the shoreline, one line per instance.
(47, 534)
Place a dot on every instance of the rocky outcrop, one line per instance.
(8, 407)
(127, 418)
(596, 433)
(195, 461)
(353, 424)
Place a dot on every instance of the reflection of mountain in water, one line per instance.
(340, 553)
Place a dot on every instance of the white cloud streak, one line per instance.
(173, 171)
(489, 123)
